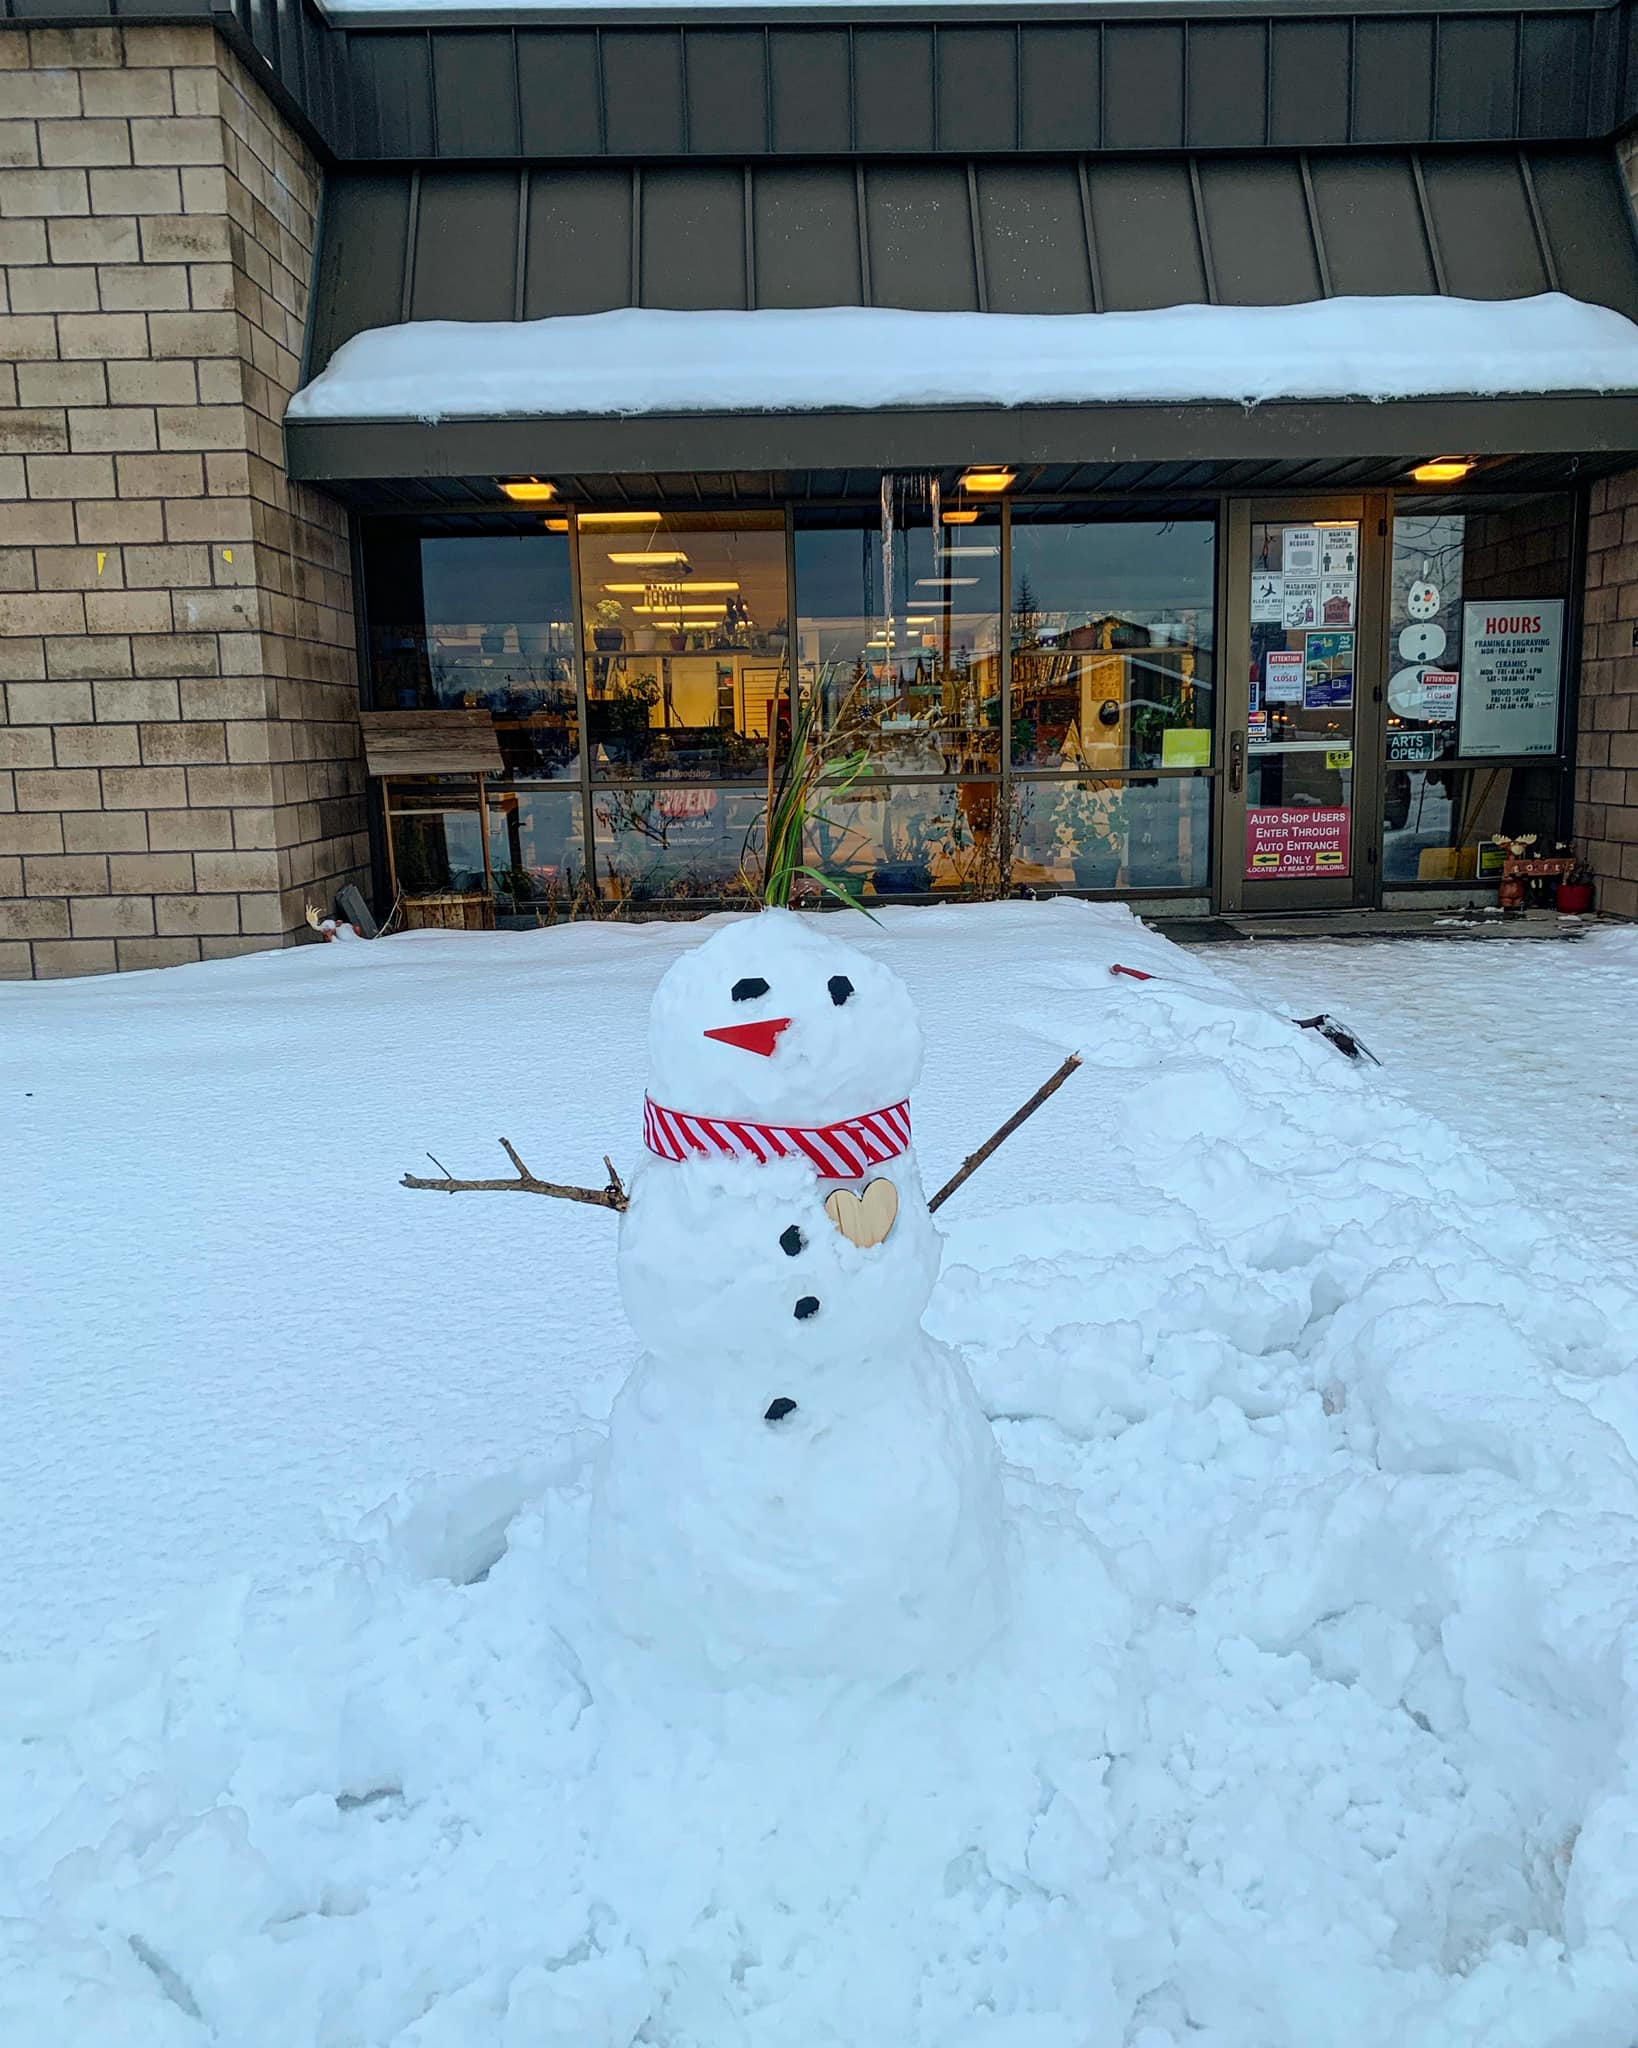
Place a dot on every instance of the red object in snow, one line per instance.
(753, 1037)
(1135, 973)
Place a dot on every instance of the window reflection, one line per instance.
(1438, 821)
(687, 642)
(1097, 833)
(910, 675)
(537, 851)
(1111, 630)
(674, 844)
(911, 839)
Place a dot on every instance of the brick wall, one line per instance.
(179, 766)
(1606, 779)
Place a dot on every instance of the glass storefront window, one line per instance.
(686, 643)
(911, 676)
(1438, 822)
(483, 620)
(537, 850)
(1099, 833)
(1112, 640)
(670, 843)
(911, 839)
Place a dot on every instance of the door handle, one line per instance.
(1237, 762)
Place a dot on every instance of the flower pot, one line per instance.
(902, 877)
(1575, 896)
(1100, 870)
(607, 639)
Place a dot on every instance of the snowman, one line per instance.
(797, 1481)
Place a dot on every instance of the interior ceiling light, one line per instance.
(988, 480)
(621, 518)
(1443, 469)
(670, 610)
(939, 582)
(557, 526)
(955, 547)
(963, 515)
(627, 589)
(654, 556)
(529, 490)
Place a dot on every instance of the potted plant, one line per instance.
(1575, 892)
(607, 636)
(1086, 828)
(908, 868)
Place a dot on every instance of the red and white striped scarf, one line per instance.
(845, 1150)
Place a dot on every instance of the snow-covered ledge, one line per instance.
(860, 358)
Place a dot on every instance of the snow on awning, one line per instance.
(642, 361)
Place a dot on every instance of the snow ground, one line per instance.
(1316, 1720)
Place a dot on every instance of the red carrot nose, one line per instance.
(753, 1037)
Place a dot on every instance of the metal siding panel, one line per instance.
(1228, 84)
(1059, 86)
(1477, 77)
(1309, 69)
(806, 218)
(1143, 223)
(1262, 248)
(977, 89)
(1557, 76)
(1589, 225)
(893, 87)
(1481, 216)
(391, 92)
(1143, 86)
(475, 91)
(361, 258)
(466, 243)
(643, 84)
(727, 92)
(577, 257)
(921, 237)
(1034, 238)
(812, 93)
(1393, 79)
(1371, 224)
(693, 238)
(558, 92)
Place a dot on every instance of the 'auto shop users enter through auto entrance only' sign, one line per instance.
(1295, 840)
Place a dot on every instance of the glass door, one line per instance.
(1301, 813)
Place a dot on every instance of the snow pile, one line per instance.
(856, 358)
(1313, 1719)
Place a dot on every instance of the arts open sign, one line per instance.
(1296, 841)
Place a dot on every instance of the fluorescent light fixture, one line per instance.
(989, 480)
(956, 547)
(1443, 469)
(671, 610)
(621, 518)
(922, 619)
(529, 490)
(654, 556)
(964, 515)
(627, 589)
(557, 525)
(938, 582)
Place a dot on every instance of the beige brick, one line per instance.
(13, 48)
(122, 429)
(21, 660)
(183, 139)
(255, 827)
(151, 383)
(221, 382)
(28, 338)
(87, 569)
(30, 96)
(57, 959)
(190, 831)
(103, 239)
(208, 519)
(54, 291)
(122, 702)
(85, 142)
(214, 611)
(109, 522)
(32, 432)
(63, 789)
(265, 914)
(161, 476)
(113, 917)
(182, 744)
(102, 334)
(70, 476)
(136, 872)
(127, 92)
(189, 334)
(97, 746)
(128, 611)
(22, 241)
(41, 919)
(144, 789)
(30, 525)
(11, 877)
(106, 831)
(201, 426)
(233, 949)
(19, 145)
(201, 92)
(31, 832)
(17, 570)
(186, 238)
(16, 961)
(204, 189)
(74, 49)
(92, 655)
(250, 783)
(176, 654)
(199, 915)
(163, 567)
(61, 384)
(53, 612)
(222, 871)
(169, 46)
(211, 287)
(36, 195)
(62, 704)
(25, 746)
(160, 287)
(135, 192)
(137, 954)
(65, 874)
(13, 481)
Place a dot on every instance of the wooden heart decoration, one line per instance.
(864, 1219)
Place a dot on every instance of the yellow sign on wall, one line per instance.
(1182, 747)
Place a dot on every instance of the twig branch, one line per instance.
(613, 1196)
(975, 1160)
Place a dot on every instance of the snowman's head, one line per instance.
(776, 1018)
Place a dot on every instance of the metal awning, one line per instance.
(1051, 235)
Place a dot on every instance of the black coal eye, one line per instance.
(747, 990)
(840, 989)
(807, 1307)
(791, 1241)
